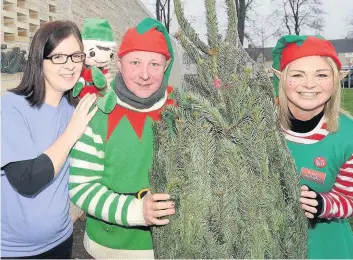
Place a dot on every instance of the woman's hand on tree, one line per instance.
(311, 202)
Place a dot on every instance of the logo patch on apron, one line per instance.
(320, 162)
(312, 175)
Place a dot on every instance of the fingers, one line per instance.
(157, 206)
(308, 194)
(163, 213)
(88, 102)
(309, 215)
(309, 208)
(310, 202)
(163, 205)
(160, 222)
(92, 113)
(82, 110)
(156, 217)
(80, 103)
(83, 103)
(82, 100)
(304, 188)
(160, 196)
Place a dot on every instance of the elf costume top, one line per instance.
(324, 159)
(110, 163)
(99, 45)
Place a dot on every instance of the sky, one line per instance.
(337, 13)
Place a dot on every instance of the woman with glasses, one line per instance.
(39, 127)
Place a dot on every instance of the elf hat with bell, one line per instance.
(97, 31)
(293, 47)
(149, 35)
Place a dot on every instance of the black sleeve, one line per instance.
(29, 177)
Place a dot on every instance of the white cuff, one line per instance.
(135, 213)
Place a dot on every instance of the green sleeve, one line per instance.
(87, 190)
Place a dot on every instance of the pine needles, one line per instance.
(221, 155)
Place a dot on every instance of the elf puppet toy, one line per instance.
(99, 47)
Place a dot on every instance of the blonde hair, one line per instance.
(331, 108)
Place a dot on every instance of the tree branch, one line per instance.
(286, 18)
(212, 34)
(231, 34)
(186, 27)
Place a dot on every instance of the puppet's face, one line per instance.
(97, 55)
(143, 72)
(309, 85)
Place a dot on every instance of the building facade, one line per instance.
(20, 19)
(264, 55)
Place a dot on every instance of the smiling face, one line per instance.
(143, 72)
(60, 78)
(97, 55)
(308, 86)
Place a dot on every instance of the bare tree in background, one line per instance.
(260, 31)
(350, 29)
(163, 12)
(296, 15)
(243, 8)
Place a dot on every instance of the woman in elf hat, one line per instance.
(319, 136)
(110, 163)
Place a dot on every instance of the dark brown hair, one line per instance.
(46, 39)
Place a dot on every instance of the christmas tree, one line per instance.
(221, 155)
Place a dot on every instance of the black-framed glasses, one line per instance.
(63, 58)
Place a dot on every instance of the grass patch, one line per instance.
(347, 100)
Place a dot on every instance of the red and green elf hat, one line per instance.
(293, 47)
(149, 35)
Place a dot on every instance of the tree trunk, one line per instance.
(158, 8)
(163, 12)
(241, 19)
(167, 23)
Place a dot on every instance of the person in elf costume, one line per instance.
(99, 47)
(110, 163)
(307, 83)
